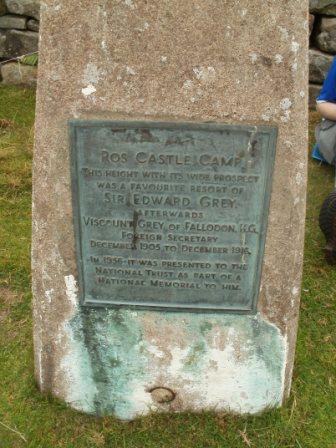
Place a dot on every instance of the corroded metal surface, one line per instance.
(171, 215)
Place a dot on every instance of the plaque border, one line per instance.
(271, 131)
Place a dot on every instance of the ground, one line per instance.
(29, 419)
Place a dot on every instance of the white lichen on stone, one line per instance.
(253, 57)
(284, 32)
(155, 351)
(295, 46)
(89, 90)
(268, 114)
(278, 58)
(295, 290)
(48, 295)
(285, 103)
(71, 290)
(205, 74)
(129, 3)
(187, 84)
(197, 96)
(299, 178)
(47, 7)
(92, 74)
(143, 28)
(130, 70)
(286, 116)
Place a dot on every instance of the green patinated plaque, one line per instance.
(171, 215)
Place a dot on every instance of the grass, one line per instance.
(29, 419)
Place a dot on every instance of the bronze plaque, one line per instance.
(171, 215)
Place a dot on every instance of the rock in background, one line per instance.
(322, 44)
(3, 7)
(19, 26)
(327, 7)
(30, 8)
(319, 64)
(18, 74)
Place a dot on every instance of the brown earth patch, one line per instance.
(4, 123)
(8, 298)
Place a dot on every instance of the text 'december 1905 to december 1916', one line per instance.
(171, 215)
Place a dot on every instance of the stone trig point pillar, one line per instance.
(169, 198)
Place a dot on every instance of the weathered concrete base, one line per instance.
(115, 358)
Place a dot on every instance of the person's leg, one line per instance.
(327, 110)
